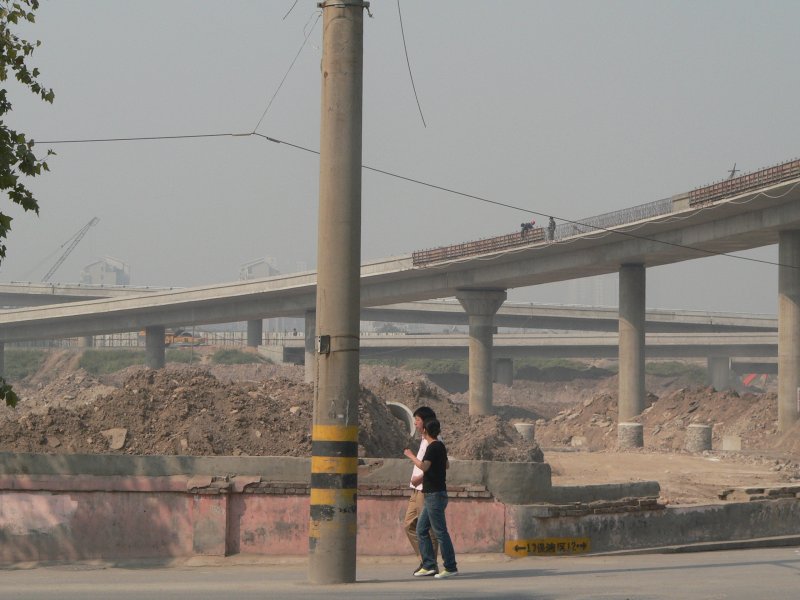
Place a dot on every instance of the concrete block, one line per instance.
(604, 492)
(731, 443)
(577, 441)
(526, 430)
(698, 437)
(630, 435)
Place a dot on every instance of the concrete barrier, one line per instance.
(698, 437)
(79, 507)
(611, 531)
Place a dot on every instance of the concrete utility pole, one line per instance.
(334, 453)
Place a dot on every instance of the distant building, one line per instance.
(267, 267)
(600, 290)
(106, 271)
(261, 267)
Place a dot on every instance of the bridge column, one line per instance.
(631, 341)
(788, 329)
(2, 359)
(504, 371)
(255, 333)
(480, 306)
(154, 346)
(310, 373)
(86, 341)
(719, 372)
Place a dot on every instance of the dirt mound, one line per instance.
(263, 409)
(235, 410)
(466, 437)
(186, 410)
(57, 363)
(752, 417)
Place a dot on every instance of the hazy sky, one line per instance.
(565, 108)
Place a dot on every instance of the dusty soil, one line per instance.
(255, 410)
(267, 410)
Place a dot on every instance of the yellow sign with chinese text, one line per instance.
(548, 546)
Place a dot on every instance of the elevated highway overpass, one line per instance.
(25, 293)
(561, 345)
(760, 211)
(718, 349)
(438, 312)
(570, 318)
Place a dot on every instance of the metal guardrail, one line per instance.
(698, 197)
(538, 235)
(744, 183)
(614, 218)
(493, 244)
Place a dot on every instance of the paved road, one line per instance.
(734, 574)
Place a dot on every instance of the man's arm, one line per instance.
(421, 464)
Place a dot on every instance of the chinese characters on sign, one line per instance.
(547, 546)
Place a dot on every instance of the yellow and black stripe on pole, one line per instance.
(334, 481)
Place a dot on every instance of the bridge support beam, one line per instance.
(631, 341)
(154, 348)
(310, 329)
(504, 371)
(480, 306)
(86, 341)
(255, 333)
(788, 329)
(719, 372)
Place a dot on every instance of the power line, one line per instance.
(408, 62)
(435, 187)
(280, 85)
(142, 138)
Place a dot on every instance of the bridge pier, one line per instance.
(255, 333)
(632, 290)
(86, 341)
(504, 371)
(310, 331)
(480, 306)
(154, 347)
(2, 359)
(719, 372)
(788, 329)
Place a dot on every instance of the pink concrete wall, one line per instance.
(41, 526)
(40, 520)
(264, 524)
(267, 524)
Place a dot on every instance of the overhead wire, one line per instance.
(291, 8)
(408, 62)
(599, 229)
(289, 70)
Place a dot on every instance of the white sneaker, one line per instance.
(445, 573)
(423, 572)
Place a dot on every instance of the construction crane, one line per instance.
(73, 241)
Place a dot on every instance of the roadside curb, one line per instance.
(767, 542)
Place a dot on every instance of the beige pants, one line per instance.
(415, 505)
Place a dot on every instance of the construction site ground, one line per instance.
(263, 409)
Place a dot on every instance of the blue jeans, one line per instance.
(432, 517)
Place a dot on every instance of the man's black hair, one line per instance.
(425, 413)
(432, 427)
